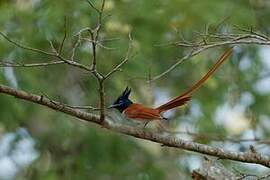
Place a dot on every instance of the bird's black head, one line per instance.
(122, 102)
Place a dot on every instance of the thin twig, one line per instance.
(109, 39)
(98, 43)
(251, 31)
(199, 48)
(67, 61)
(105, 47)
(95, 37)
(53, 48)
(93, 6)
(64, 38)
(84, 107)
(117, 68)
(25, 47)
(75, 46)
(94, 56)
(45, 64)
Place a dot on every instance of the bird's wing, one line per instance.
(140, 112)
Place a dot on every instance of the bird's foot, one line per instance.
(145, 124)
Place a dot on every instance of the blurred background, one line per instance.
(38, 143)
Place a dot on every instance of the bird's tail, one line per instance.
(186, 96)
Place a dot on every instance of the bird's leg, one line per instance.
(145, 124)
(165, 118)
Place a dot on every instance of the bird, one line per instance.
(142, 113)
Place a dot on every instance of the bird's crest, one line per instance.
(126, 93)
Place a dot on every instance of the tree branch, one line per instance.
(218, 137)
(64, 38)
(25, 47)
(45, 64)
(165, 140)
(57, 55)
(118, 67)
(197, 48)
(94, 39)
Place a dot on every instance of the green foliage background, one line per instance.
(70, 149)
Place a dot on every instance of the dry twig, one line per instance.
(227, 39)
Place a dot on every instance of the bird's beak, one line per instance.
(110, 107)
(113, 106)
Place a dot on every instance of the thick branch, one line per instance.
(166, 140)
(49, 103)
